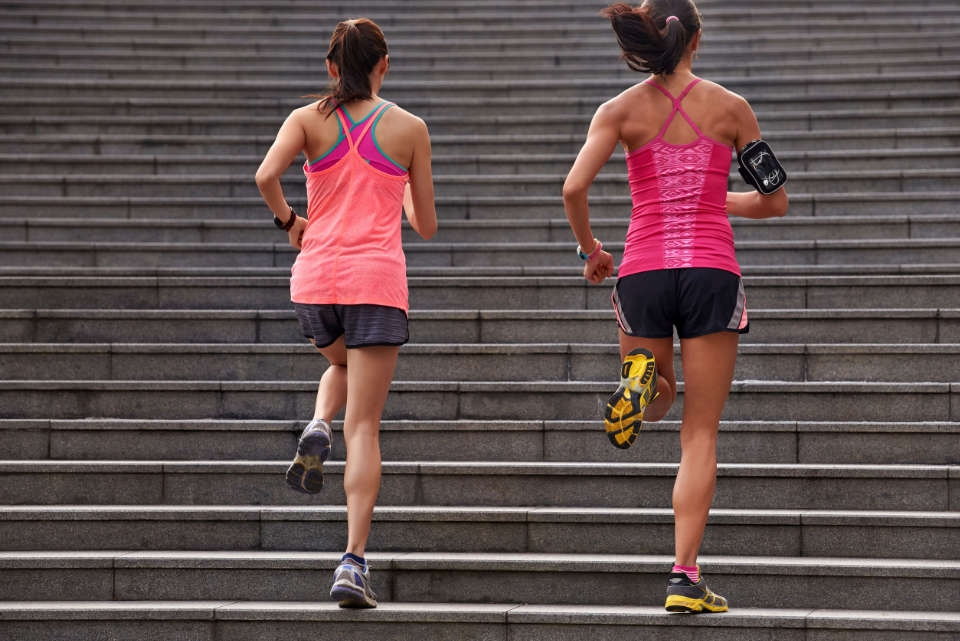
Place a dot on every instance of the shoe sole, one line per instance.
(623, 416)
(351, 596)
(305, 474)
(683, 604)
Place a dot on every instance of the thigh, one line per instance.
(336, 352)
(369, 373)
(708, 365)
(662, 349)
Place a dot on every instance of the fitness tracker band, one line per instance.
(285, 226)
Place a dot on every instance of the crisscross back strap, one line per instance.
(372, 118)
(676, 106)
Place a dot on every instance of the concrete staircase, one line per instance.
(153, 382)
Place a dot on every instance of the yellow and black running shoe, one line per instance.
(638, 387)
(683, 595)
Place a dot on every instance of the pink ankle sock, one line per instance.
(693, 573)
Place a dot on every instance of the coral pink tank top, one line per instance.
(679, 197)
(352, 253)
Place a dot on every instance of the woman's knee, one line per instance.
(700, 437)
(364, 430)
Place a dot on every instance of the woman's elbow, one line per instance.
(264, 178)
(428, 231)
(782, 204)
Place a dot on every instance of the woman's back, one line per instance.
(393, 133)
(678, 168)
(351, 251)
(643, 110)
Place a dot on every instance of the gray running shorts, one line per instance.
(360, 325)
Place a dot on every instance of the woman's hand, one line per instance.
(597, 270)
(295, 233)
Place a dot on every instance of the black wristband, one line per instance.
(286, 226)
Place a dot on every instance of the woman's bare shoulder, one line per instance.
(307, 113)
(400, 119)
(723, 98)
(401, 114)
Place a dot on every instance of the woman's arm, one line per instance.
(418, 198)
(601, 140)
(753, 204)
(290, 142)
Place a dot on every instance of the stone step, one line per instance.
(245, 621)
(462, 292)
(789, 533)
(408, 56)
(734, 65)
(925, 251)
(483, 483)
(399, 20)
(212, 150)
(450, 185)
(412, 60)
(783, 86)
(753, 442)
(556, 361)
(807, 582)
(198, 230)
(428, 400)
(429, 106)
(458, 207)
(508, 32)
(557, 133)
(573, 269)
(257, 6)
(519, 163)
(125, 67)
(67, 326)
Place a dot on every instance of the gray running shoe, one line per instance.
(683, 595)
(351, 586)
(306, 472)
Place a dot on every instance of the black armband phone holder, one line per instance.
(760, 167)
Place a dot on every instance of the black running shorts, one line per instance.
(360, 325)
(696, 300)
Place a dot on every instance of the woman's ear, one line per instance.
(332, 70)
(386, 65)
(695, 43)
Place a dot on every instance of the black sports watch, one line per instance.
(285, 226)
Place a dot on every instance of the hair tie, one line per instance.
(672, 18)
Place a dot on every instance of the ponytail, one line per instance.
(356, 47)
(650, 42)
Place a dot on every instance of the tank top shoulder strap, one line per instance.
(676, 105)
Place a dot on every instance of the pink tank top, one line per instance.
(679, 197)
(352, 253)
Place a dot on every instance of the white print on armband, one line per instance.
(773, 178)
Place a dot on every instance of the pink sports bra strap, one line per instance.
(676, 105)
(371, 119)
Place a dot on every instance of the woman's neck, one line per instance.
(679, 79)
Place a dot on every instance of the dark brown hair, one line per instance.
(651, 44)
(356, 47)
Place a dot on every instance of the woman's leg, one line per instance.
(662, 349)
(708, 363)
(369, 372)
(332, 391)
